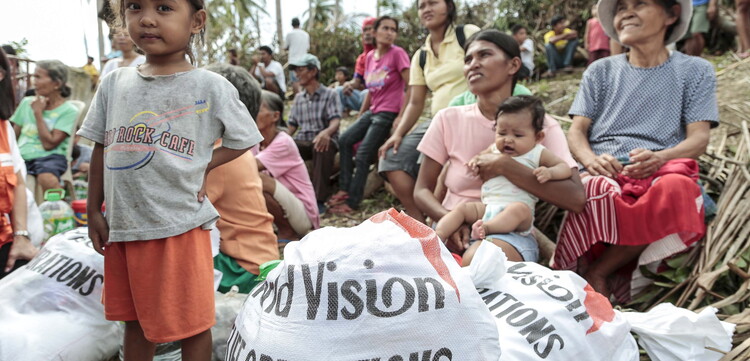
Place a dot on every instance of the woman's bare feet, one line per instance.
(478, 230)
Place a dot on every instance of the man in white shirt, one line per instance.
(520, 33)
(269, 72)
(297, 43)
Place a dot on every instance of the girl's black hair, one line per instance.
(505, 42)
(7, 95)
(118, 7)
(517, 104)
(377, 23)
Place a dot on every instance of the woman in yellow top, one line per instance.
(443, 75)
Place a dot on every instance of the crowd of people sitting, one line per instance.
(626, 171)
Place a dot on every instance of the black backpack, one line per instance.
(460, 36)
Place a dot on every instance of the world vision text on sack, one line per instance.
(62, 268)
(236, 346)
(533, 327)
(357, 298)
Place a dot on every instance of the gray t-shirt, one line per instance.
(646, 108)
(158, 134)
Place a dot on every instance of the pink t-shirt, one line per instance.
(282, 160)
(383, 79)
(598, 39)
(459, 133)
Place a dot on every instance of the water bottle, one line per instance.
(56, 214)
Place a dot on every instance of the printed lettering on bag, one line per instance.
(351, 298)
(237, 346)
(64, 269)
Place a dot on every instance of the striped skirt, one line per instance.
(668, 218)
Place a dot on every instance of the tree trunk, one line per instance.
(337, 12)
(279, 32)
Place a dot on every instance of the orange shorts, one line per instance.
(167, 285)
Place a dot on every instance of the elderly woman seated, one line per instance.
(44, 123)
(639, 122)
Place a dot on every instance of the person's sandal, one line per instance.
(341, 209)
(336, 199)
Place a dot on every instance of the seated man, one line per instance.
(560, 44)
(269, 72)
(315, 117)
(236, 190)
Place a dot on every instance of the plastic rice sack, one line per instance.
(670, 333)
(387, 289)
(543, 314)
(51, 308)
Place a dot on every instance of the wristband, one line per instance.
(23, 233)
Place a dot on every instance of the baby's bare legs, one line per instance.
(510, 251)
(516, 217)
(465, 213)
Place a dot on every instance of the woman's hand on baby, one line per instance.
(543, 174)
(644, 163)
(98, 231)
(604, 164)
(458, 242)
(490, 165)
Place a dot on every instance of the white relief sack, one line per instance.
(670, 333)
(543, 314)
(51, 308)
(387, 289)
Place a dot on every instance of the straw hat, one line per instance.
(607, 10)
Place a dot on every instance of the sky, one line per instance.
(56, 29)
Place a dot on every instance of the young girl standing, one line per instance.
(154, 127)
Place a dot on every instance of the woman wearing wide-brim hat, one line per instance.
(639, 122)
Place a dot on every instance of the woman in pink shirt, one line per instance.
(386, 78)
(289, 193)
(459, 133)
(595, 40)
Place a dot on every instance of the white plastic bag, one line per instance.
(51, 308)
(34, 222)
(227, 307)
(543, 314)
(670, 333)
(387, 289)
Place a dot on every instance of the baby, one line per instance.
(506, 208)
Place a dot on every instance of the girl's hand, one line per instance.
(98, 231)
(604, 164)
(543, 174)
(393, 142)
(38, 104)
(202, 191)
(645, 163)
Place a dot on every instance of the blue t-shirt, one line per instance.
(699, 2)
(649, 108)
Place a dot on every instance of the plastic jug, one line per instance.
(79, 212)
(56, 214)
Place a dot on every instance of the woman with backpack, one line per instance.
(437, 67)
